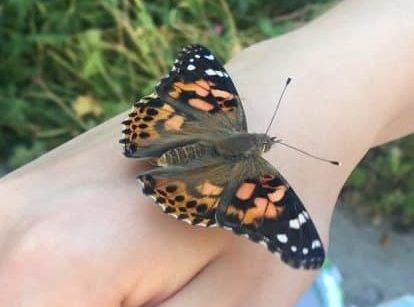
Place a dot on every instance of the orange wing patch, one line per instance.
(203, 95)
(174, 122)
(245, 191)
(200, 104)
(197, 208)
(255, 200)
(224, 99)
(277, 194)
(200, 87)
(141, 124)
(207, 188)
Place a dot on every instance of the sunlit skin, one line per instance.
(75, 230)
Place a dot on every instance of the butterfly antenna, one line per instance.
(278, 104)
(308, 154)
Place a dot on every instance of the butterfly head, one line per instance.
(265, 142)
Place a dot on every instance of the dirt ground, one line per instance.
(377, 263)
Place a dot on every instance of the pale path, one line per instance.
(372, 273)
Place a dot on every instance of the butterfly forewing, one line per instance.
(200, 82)
(188, 103)
(266, 209)
(153, 125)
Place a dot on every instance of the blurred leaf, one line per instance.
(25, 153)
(394, 159)
(86, 105)
(357, 179)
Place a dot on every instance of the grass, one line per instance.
(383, 184)
(68, 65)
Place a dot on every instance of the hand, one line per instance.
(75, 230)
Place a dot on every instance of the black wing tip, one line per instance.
(314, 263)
(190, 49)
(147, 182)
(313, 260)
(296, 259)
(129, 148)
(193, 46)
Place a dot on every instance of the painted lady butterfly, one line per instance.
(210, 168)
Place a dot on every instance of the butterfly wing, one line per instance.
(263, 206)
(154, 126)
(188, 104)
(188, 193)
(266, 209)
(198, 81)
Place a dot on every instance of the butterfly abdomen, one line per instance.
(183, 154)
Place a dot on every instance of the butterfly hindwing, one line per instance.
(266, 209)
(184, 195)
(198, 81)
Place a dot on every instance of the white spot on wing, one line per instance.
(197, 56)
(191, 67)
(210, 72)
(293, 248)
(282, 238)
(209, 57)
(294, 223)
(316, 244)
(305, 251)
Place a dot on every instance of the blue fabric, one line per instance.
(326, 290)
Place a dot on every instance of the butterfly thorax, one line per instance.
(240, 145)
(233, 147)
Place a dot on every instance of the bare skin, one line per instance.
(76, 231)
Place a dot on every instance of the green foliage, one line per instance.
(66, 65)
(385, 182)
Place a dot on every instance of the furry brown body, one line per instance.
(233, 148)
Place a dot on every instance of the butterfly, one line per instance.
(210, 170)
